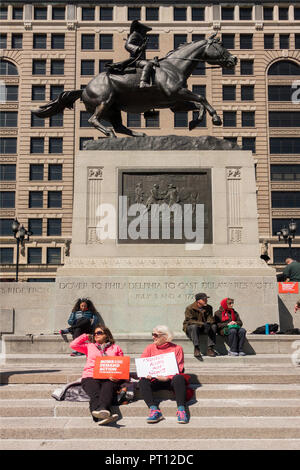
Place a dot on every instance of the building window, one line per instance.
(53, 255)
(7, 172)
(245, 13)
(249, 143)
(179, 14)
(199, 69)
(133, 13)
(84, 117)
(246, 67)
(8, 145)
(40, 41)
(284, 67)
(16, 41)
(227, 13)
(11, 92)
(88, 13)
(55, 145)
(6, 255)
(106, 41)
(133, 120)
(280, 92)
(34, 256)
(229, 118)
(202, 123)
(180, 119)
(55, 172)
(153, 42)
(7, 68)
(285, 199)
(284, 118)
(35, 226)
(36, 172)
(285, 172)
(229, 92)
(54, 199)
(297, 41)
(277, 225)
(8, 118)
(103, 63)
(230, 71)
(37, 145)
(269, 41)
(228, 40)
(3, 41)
(7, 199)
(246, 41)
(199, 90)
(17, 13)
(54, 227)
(284, 145)
(284, 41)
(268, 13)
(40, 13)
(248, 118)
(87, 67)
(57, 66)
(297, 13)
(37, 121)
(198, 14)
(58, 13)
(35, 199)
(38, 92)
(106, 13)
(39, 67)
(152, 13)
(87, 41)
(283, 13)
(57, 41)
(55, 91)
(3, 13)
(152, 121)
(179, 39)
(5, 227)
(280, 254)
(57, 120)
(247, 92)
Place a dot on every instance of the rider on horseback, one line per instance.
(136, 46)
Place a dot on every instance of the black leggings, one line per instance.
(100, 391)
(83, 325)
(177, 384)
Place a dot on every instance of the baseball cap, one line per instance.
(201, 296)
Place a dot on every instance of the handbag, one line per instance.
(229, 327)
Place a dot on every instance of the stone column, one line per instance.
(234, 207)
(93, 202)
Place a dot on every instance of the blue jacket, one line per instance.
(79, 314)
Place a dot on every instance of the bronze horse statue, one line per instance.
(109, 93)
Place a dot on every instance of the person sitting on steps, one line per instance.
(229, 323)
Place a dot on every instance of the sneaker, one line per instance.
(111, 419)
(155, 415)
(76, 353)
(182, 416)
(233, 353)
(242, 353)
(101, 414)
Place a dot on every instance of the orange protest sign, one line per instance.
(112, 366)
(288, 287)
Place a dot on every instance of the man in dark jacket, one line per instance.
(198, 320)
(292, 271)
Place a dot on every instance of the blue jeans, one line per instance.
(236, 339)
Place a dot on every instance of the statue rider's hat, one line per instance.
(139, 27)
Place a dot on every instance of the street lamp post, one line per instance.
(20, 234)
(288, 234)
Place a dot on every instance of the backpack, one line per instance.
(261, 330)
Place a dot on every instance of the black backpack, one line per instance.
(261, 330)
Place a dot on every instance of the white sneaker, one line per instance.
(241, 353)
(110, 419)
(101, 414)
(233, 353)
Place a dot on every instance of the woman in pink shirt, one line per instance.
(162, 344)
(100, 391)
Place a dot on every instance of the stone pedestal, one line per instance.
(138, 284)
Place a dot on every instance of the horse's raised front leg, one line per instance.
(185, 94)
(94, 120)
(116, 120)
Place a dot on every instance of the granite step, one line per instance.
(22, 408)
(137, 428)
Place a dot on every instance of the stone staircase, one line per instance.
(250, 402)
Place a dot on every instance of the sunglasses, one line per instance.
(99, 333)
(230, 303)
(157, 335)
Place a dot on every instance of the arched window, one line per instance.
(7, 68)
(284, 67)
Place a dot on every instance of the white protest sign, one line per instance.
(156, 366)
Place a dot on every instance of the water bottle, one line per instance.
(267, 329)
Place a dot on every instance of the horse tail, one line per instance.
(65, 100)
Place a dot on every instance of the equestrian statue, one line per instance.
(137, 85)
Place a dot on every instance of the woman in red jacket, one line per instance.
(100, 391)
(162, 344)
